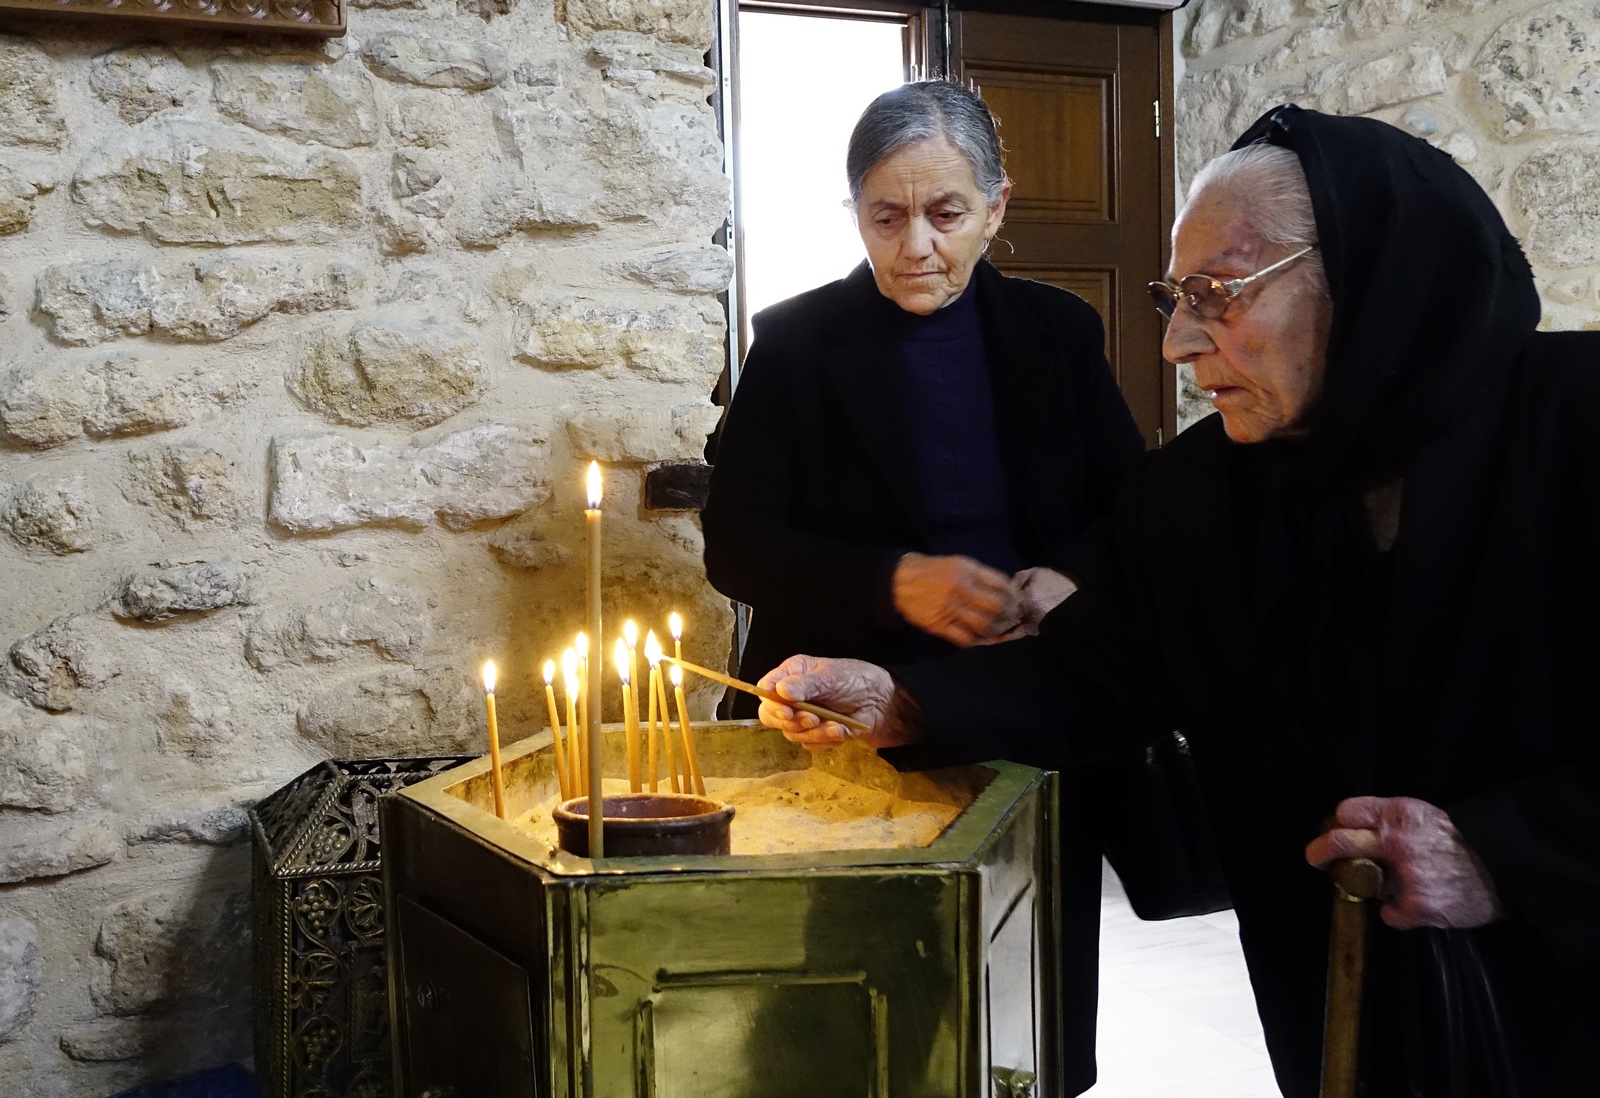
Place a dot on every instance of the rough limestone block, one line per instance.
(675, 341)
(1555, 194)
(1540, 72)
(701, 269)
(64, 399)
(140, 81)
(168, 949)
(196, 301)
(629, 58)
(19, 975)
(435, 62)
(687, 21)
(528, 542)
(192, 724)
(417, 374)
(387, 618)
(329, 482)
(108, 1040)
(400, 711)
(49, 666)
(18, 189)
(181, 182)
(1407, 74)
(314, 103)
(1214, 106)
(163, 593)
(54, 846)
(189, 484)
(415, 172)
(43, 767)
(212, 822)
(52, 513)
(578, 166)
(30, 113)
(636, 435)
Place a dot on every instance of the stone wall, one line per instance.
(1510, 88)
(302, 348)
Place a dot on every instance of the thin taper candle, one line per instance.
(555, 729)
(494, 742)
(675, 627)
(569, 679)
(591, 514)
(666, 734)
(652, 654)
(691, 758)
(630, 635)
(630, 714)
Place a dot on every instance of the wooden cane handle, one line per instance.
(1358, 878)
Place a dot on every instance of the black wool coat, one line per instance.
(1494, 688)
(813, 495)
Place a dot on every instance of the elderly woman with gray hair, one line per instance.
(1368, 593)
(917, 455)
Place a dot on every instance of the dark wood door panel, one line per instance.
(1057, 128)
(1076, 105)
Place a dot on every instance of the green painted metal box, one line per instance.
(520, 971)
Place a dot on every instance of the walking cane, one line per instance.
(1355, 882)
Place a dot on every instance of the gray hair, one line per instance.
(1271, 182)
(921, 111)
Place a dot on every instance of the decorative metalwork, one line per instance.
(322, 1006)
(324, 18)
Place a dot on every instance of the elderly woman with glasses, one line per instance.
(1367, 592)
(918, 454)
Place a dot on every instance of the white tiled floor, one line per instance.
(1176, 1013)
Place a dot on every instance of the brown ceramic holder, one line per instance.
(646, 825)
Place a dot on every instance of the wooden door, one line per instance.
(1077, 104)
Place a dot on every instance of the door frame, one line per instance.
(930, 43)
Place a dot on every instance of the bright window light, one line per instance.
(803, 82)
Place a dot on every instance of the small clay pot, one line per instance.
(646, 825)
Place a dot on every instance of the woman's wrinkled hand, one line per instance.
(1040, 590)
(1431, 876)
(851, 687)
(956, 598)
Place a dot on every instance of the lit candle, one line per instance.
(591, 514)
(652, 654)
(666, 732)
(494, 742)
(569, 678)
(555, 729)
(630, 721)
(630, 634)
(690, 758)
(675, 626)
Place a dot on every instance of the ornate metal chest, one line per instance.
(321, 980)
(519, 970)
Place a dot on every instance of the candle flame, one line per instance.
(569, 666)
(488, 677)
(677, 675)
(630, 633)
(549, 672)
(652, 648)
(675, 624)
(593, 482)
(620, 655)
(583, 646)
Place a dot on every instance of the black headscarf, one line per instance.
(1432, 302)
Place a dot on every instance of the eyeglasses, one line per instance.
(1209, 297)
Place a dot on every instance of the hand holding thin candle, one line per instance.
(860, 690)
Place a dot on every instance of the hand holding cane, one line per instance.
(1356, 881)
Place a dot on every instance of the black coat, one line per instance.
(813, 497)
(813, 501)
(1247, 603)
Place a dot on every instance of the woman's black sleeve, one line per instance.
(1090, 686)
(754, 550)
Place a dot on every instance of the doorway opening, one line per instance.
(804, 79)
